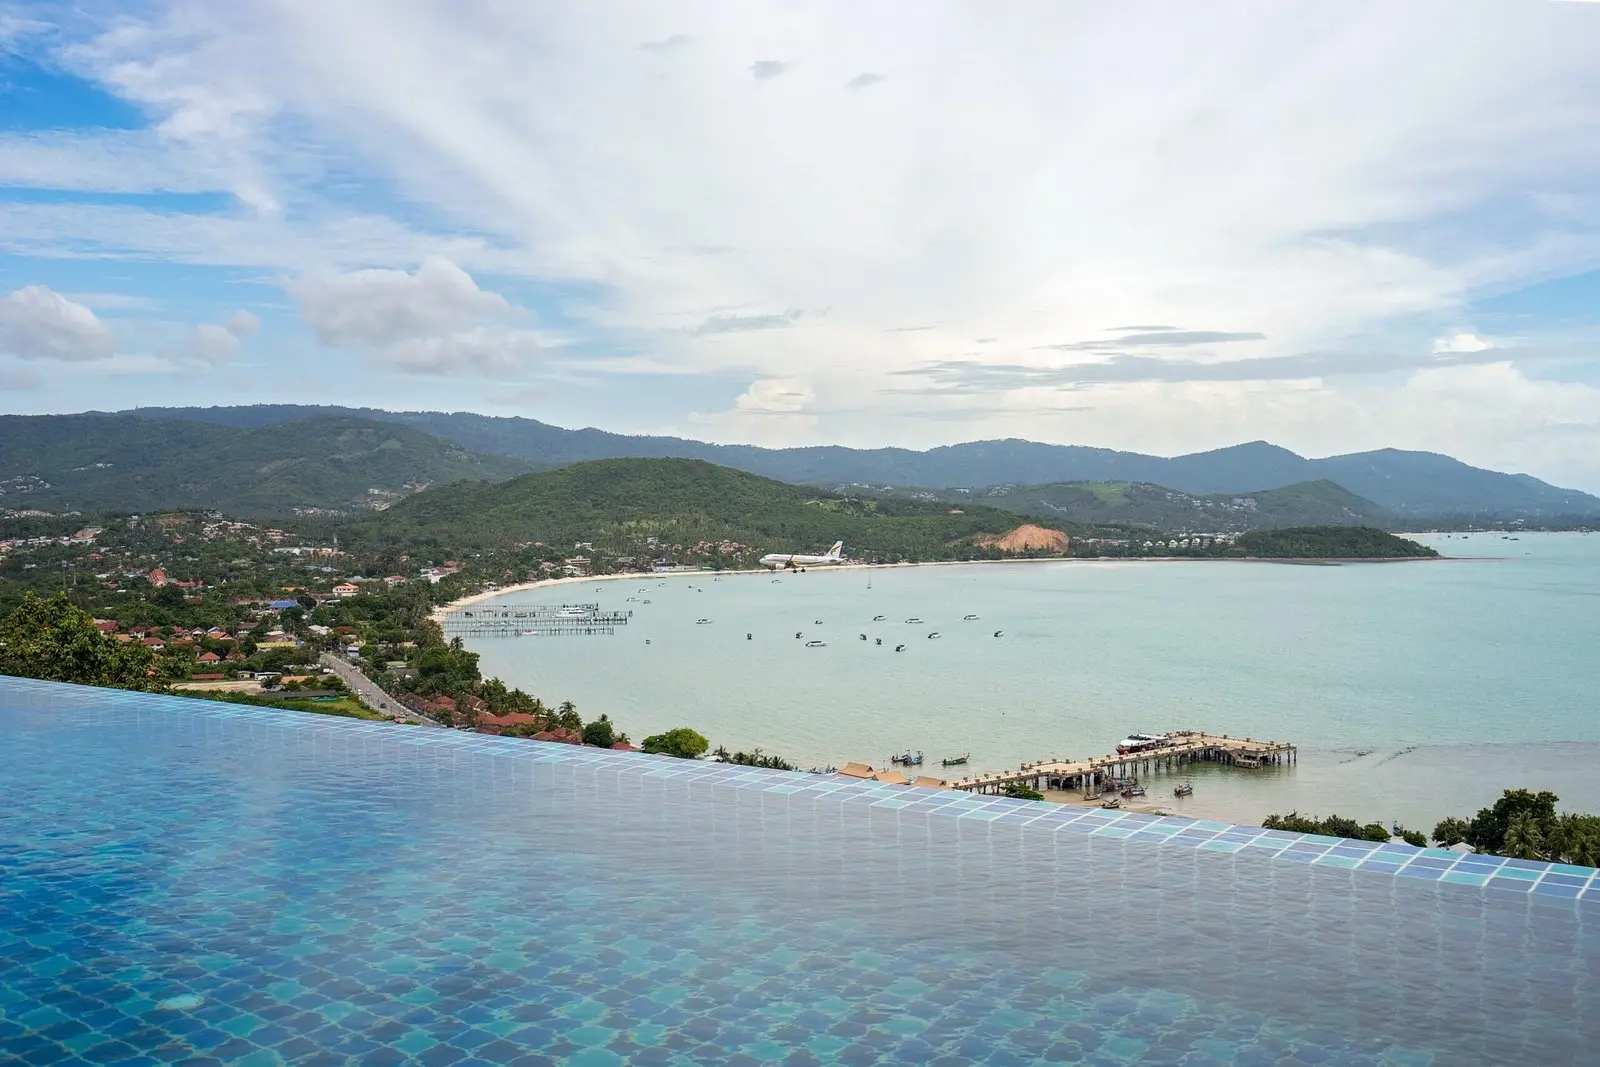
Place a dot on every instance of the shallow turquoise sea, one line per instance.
(1416, 689)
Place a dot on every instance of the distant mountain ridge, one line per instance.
(1414, 484)
(124, 462)
(1319, 503)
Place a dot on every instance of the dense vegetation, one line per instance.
(1327, 542)
(1339, 826)
(1318, 503)
(629, 506)
(1526, 825)
(57, 641)
(1522, 824)
(123, 463)
(1409, 483)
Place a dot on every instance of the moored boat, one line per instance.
(956, 760)
(1142, 743)
(1184, 790)
(906, 759)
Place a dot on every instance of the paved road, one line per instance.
(369, 694)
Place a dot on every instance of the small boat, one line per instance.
(1184, 790)
(863, 637)
(914, 620)
(648, 601)
(816, 644)
(933, 635)
(702, 622)
(879, 640)
(999, 633)
(968, 618)
(527, 633)
(777, 581)
(907, 759)
(817, 623)
(1142, 743)
(1112, 803)
(955, 761)
(877, 618)
(1133, 791)
(749, 637)
(899, 648)
(797, 635)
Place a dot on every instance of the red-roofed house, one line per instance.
(210, 657)
(496, 724)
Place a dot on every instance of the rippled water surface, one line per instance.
(1416, 690)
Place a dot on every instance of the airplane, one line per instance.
(793, 560)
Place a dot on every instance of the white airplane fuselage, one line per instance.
(790, 560)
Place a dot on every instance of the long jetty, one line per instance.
(1185, 746)
(540, 620)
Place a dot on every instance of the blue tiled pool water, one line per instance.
(183, 881)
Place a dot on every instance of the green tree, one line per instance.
(1018, 791)
(1524, 840)
(1451, 831)
(567, 717)
(600, 733)
(54, 640)
(1414, 837)
(1491, 826)
(680, 741)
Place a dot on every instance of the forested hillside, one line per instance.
(1319, 503)
(1405, 482)
(619, 504)
(1325, 542)
(101, 463)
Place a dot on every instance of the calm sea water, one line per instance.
(1415, 690)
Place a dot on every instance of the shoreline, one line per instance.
(439, 612)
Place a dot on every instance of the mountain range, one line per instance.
(1319, 503)
(125, 462)
(1409, 484)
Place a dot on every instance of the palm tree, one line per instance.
(1523, 839)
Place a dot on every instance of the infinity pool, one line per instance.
(210, 883)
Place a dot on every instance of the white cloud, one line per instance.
(429, 321)
(367, 308)
(1466, 341)
(213, 343)
(1038, 179)
(776, 396)
(38, 323)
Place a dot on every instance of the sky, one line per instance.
(1336, 226)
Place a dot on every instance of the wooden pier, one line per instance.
(542, 620)
(1187, 746)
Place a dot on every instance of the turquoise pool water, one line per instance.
(182, 881)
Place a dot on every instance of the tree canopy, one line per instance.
(680, 741)
(59, 642)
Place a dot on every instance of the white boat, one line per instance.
(1142, 743)
(702, 622)
(816, 644)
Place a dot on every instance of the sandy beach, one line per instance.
(547, 583)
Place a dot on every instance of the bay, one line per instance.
(1415, 690)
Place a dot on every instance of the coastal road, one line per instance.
(369, 694)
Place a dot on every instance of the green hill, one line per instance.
(618, 504)
(1317, 503)
(99, 463)
(1328, 542)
